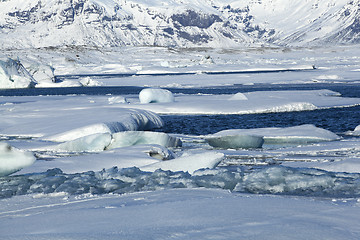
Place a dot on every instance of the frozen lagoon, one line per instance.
(160, 211)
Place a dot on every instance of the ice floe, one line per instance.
(307, 133)
(13, 159)
(156, 95)
(249, 102)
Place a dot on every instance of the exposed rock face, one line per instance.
(175, 23)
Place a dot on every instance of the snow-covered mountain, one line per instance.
(184, 23)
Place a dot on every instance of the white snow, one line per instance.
(177, 214)
(130, 138)
(90, 143)
(257, 102)
(189, 163)
(153, 95)
(13, 159)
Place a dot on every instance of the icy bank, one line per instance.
(270, 180)
(249, 102)
(12, 159)
(106, 141)
(156, 95)
(307, 133)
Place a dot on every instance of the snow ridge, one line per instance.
(175, 23)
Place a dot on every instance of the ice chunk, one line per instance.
(356, 131)
(12, 159)
(117, 99)
(236, 141)
(89, 82)
(156, 95)
(91, 143)
(307, 133)
(14, 75)
(239, 96)
(161, 153)
(130, 138)
(189, 163)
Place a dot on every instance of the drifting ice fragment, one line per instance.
(187, 164)
(12, 159)
(236, 141)
(156, 95)
(161, 153)
(130, 138)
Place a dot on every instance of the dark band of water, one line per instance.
(337, 120)
(347, 90)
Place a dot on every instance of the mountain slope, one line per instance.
(182, 23)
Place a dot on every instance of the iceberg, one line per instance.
(189, 163)
(13, 159)
(156, 95)
(130, 138)
(236, 141)
(14, 75)
(306, 133)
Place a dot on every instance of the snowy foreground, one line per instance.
(99, 167)
(178, 214)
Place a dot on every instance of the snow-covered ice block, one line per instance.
(13, 159)
(189, 163)
(14, 75)
(356, 131)
(156, 95)
(91, 143)
(236, 141)
(307, 133)
(130, 138)
(117, 99)
(161, 153)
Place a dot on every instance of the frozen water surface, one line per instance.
(98, 158)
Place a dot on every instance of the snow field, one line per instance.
(177, 214)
